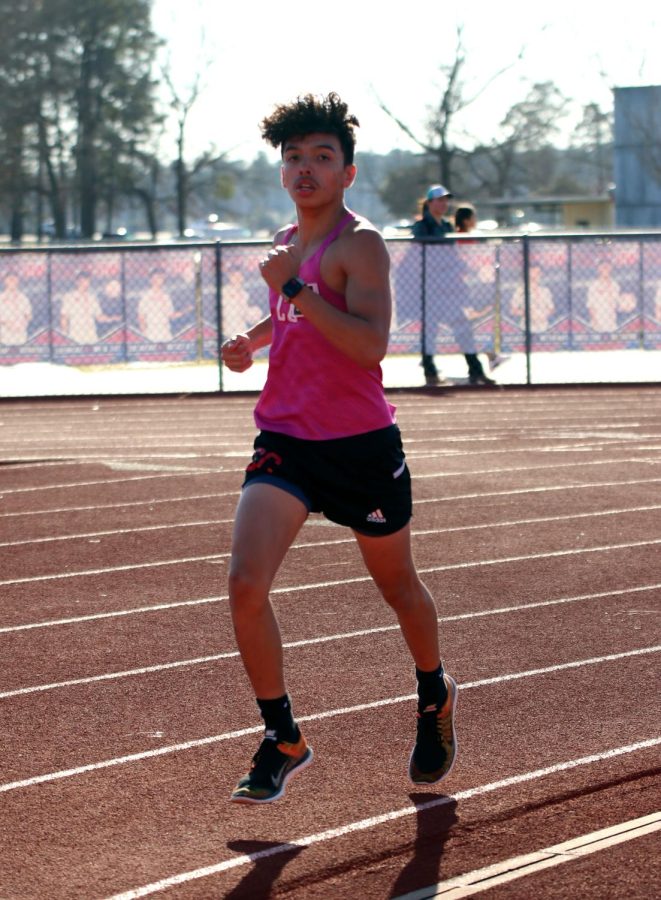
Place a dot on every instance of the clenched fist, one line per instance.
(236, 353)
(281, 264)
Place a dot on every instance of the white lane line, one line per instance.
(242, 428)
(57, 510)
(313, 717)
(120, 531)
(5, 492)
(125, 460)
(216, 556)
(158, 607)
(566, 415)
(444, 499)
(452, 446)
(50, 456)
(143, 415)
(87, 446)
(556, 465)
(484, 879)
(582, 486)
(184, 560)
(364, 632)
(241, 431)
(460, 474)
(348, 540)
(330, 834)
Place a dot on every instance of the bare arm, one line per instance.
(237, 352)
(361, 333)
(177, 314)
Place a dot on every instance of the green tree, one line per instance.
(75, 90)
(114, 48)
(18, 101)
(594, 136)
(519, 158)
(404, 183)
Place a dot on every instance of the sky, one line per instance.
(253, 55)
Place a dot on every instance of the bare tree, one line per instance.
(181, 102)
(454, 99)
(181, 106)
(594, 133)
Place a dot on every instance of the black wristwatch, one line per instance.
(293, 287)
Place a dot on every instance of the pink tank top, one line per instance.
(313, 391)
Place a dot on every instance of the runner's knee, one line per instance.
(248, 590)
(403, 592)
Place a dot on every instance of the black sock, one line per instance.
(432, 689)
(428, 365)
(474, 364)
(278, 717)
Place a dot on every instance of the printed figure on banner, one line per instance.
(156, 311)
(81, 311)
(15, 312)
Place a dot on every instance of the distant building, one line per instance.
(637, 155)
(560, 213)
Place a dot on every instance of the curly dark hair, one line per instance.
(309, 115)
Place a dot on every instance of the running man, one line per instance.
(327, 440)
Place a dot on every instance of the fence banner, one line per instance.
(650, 301)
(606, 296)
(549, 298)
(25, 312)
(92, 305)
(87, 308)
(406, 259)
(162, 310)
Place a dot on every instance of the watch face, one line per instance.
(292, 287)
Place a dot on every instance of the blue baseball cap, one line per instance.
(436, 191)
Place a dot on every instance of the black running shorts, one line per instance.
(362, 482)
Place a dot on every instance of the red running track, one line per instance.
(127, 718)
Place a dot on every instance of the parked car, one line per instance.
(402, 228)
(211, 229)
(119, 234)
(48, 230)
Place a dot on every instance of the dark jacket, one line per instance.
(428, 228)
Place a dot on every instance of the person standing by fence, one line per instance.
(465, 220)
(432, 226)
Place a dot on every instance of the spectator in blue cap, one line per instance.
(432, 226)
(432, 223)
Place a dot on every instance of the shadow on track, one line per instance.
(433, 830)
(269, 859)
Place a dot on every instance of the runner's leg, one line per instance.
(390, 563)
(267, 522)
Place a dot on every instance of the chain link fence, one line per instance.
(527, 295)
(163, 305)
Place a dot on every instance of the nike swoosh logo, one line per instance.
(400, 470)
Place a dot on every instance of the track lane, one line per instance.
(604, 448)
(119, 813)
(169, 706)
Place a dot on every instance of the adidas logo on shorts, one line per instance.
(377, 516)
